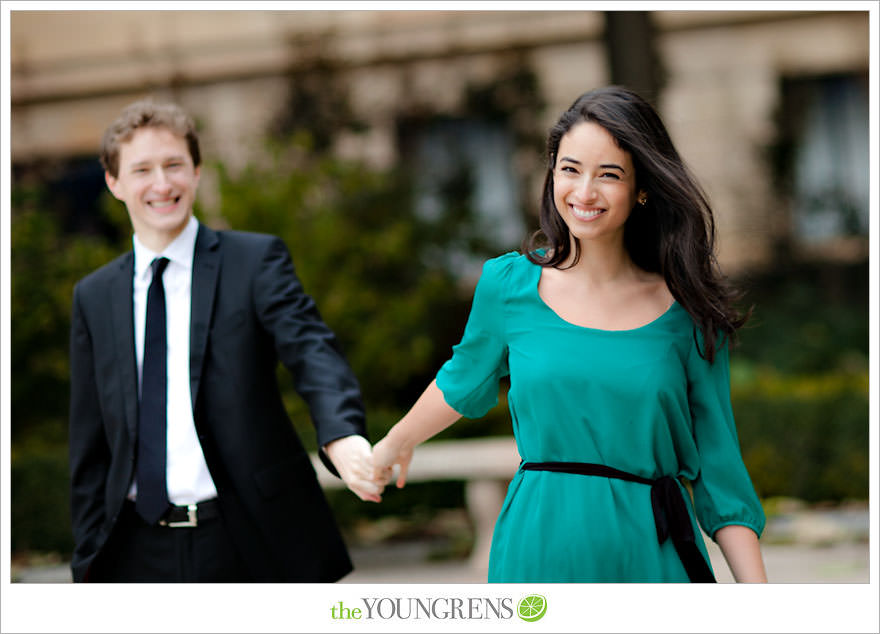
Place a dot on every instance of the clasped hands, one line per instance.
(367, 470)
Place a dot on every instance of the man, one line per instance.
(184, 464)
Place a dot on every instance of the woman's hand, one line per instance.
(387, 453)
(428, 416)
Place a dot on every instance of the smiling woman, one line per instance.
(668, 228)
(613, 328)
(595, 185)
(594, 193)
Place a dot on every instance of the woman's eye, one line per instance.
(611, 175)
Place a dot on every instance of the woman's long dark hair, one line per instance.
(673, 234)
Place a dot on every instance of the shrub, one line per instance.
(40, 498)
(804, 436)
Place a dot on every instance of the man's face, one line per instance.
(157, 182)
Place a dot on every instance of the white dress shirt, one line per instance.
(187, 474)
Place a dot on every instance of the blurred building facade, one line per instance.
(769, 108)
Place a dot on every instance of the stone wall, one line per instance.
(72, 71)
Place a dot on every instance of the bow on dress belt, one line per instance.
(671, 516)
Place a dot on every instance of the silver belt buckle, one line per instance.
(191, 521)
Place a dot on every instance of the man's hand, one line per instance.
(353, 458)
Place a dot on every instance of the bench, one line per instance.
(486, 465)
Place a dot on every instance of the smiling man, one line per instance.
(184, 464)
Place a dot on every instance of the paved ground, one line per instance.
(795, 563)
(799, 547)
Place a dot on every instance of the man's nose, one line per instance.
(160, 179)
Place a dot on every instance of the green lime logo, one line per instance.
(532, 607)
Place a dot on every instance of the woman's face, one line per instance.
(594, 183)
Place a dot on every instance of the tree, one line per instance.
(374, 267)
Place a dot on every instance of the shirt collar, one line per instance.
(180, 250)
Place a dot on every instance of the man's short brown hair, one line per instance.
(147, 114)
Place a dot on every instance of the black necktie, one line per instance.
(152, 495)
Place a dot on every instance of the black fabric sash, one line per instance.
(670, 511)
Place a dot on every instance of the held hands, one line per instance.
(366, 472)
(387, 453)
(428, 416)
(352, 457)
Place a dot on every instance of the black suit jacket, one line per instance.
(248, 312)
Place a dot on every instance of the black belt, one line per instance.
(670, 511)
(189, 515)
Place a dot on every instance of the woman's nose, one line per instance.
(585, 189)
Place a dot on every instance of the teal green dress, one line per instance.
(642, 401)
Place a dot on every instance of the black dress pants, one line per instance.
(138, 552)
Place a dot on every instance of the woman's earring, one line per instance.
(642, 199)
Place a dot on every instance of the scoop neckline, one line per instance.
(559, 317)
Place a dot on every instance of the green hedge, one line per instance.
(40, 496)
(804, 436)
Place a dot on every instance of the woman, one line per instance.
(614, 331)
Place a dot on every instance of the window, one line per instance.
(829, 156)
(463, 177)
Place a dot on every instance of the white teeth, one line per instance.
(165, 203)
(586, 214)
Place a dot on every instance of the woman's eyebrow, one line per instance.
(604, 166)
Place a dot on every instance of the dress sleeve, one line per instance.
(469, 379)
(723, 490)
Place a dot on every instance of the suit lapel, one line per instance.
(206, 266)
(122, 317)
